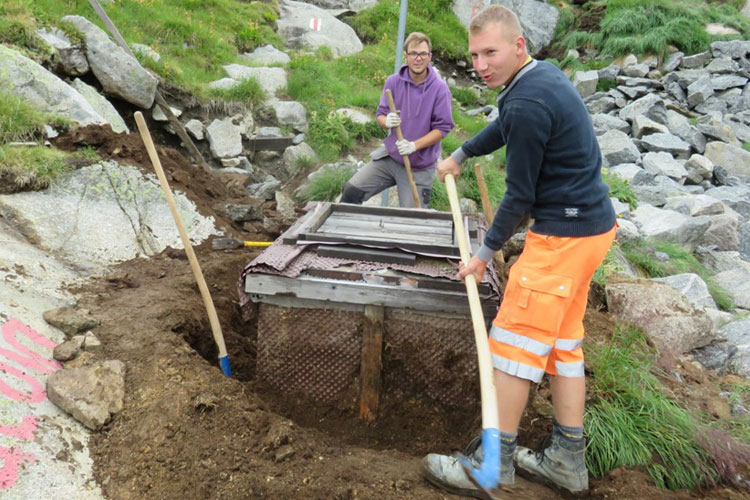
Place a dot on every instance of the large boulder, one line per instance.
(119, 73)
(538, 19)
(44, 91)
(306, 26)
(671, 322)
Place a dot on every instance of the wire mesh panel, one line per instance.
(311, 352)
(315, 353)
(432, 355)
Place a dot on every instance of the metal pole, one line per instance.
(397, 65)
(401, 34)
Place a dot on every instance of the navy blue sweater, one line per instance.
(553, 159)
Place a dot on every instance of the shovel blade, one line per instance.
(225, 243)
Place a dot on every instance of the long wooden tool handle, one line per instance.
(407, 163)
(212, 317)
(486, 382)
(487, 208)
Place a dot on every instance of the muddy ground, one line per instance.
(189, 432)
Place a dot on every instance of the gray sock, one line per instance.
(508, 441)
(573, 434)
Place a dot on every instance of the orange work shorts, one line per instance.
(539, 326)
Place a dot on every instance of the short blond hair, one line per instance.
(510, 26)
(415, 37)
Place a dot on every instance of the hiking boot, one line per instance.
(446, 472)
(559, 462)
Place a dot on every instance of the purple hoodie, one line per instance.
(424, 107)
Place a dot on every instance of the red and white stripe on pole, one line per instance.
(315, 23)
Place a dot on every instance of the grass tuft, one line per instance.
(328, 182)
(631, 423)
(33, 168)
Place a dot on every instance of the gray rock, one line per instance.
(91, 394)
(672, 323)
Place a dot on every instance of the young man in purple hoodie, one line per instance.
(424, 103)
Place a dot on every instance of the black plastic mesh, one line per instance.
(315, 353)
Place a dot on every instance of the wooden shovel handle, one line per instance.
(486, 382)
(212, 317)
(407, 163)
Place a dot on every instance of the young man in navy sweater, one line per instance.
(554, 174)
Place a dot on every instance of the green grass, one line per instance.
(609, 266)
(247, 91)
(681, 260)
(32, 168)
(746, 146)
(650, 27)
(466, 184)
(327, 183)
(195, 38)
(434, 18)
(620, 188)
(466, 96)
(21, 122)
(631, 423)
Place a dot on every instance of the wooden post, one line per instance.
(488, 212)
(371, 361)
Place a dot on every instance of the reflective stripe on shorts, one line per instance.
(539, 326)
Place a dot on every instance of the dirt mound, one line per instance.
(187, 431)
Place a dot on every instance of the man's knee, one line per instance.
(352, 194)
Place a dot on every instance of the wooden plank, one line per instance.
(410, 281)
(270, 143)
(389, 211)
(367, 254)
(394, 219)
(314, 219)
(371, 363)
(384, 226)
(441, 250)
(377, 233)
(338, 291)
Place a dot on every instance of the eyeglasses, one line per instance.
(418, 55)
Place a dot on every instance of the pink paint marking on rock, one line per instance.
(24, 430)
(36, 395)
(12, 459)
(31, 360)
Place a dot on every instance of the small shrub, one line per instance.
(465, 96)
(328, 135)
(620, 189)
(328, 182)
(247, 91)
(606, 84)
(608, 266)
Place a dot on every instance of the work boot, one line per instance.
(559, 462)
(447, 473)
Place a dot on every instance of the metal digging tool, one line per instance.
(488, 475)
(212, 317)
(232, 243)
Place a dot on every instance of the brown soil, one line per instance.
(189, 432)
